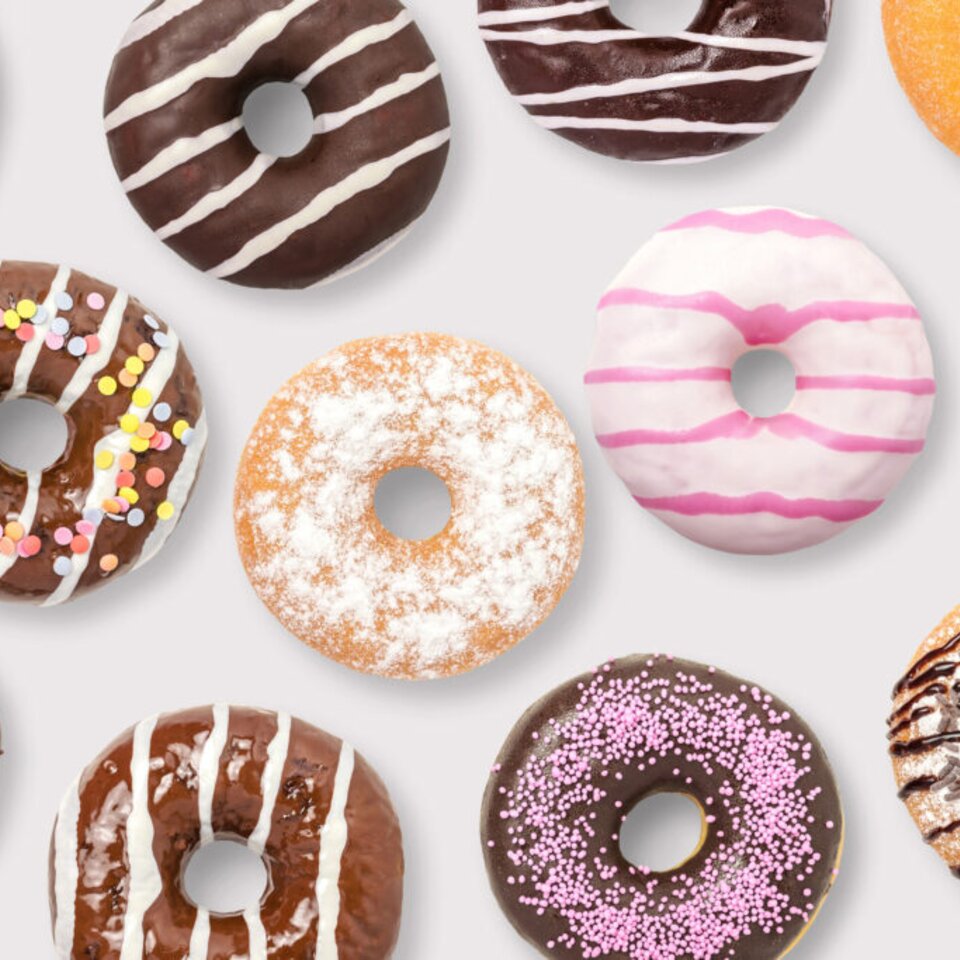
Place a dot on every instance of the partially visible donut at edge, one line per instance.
(173, 114)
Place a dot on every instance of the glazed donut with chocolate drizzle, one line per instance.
(730, 77)
(924, 733)
(136, 432)
(175, 128)
(314, 810)
(579, 760)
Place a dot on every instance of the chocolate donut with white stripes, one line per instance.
(136, 432)
(731, 76)
(173, 109)
(301, 799)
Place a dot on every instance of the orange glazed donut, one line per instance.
(924, 43)
(320, 559)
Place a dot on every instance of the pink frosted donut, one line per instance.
(694, 299)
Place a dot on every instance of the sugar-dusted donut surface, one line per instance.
(136, 432)
(174, 104)
(320, 559)
(305, 802)
(582, 758)
(698, 296)
(730, 77)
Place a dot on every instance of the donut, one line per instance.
(924, 47)
(924, 733)
(136, 433)
(174, 123)
(322, 562)
(731, 76)
(697, 297)
(305, 802)
(582, 758)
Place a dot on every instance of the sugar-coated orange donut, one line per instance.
(316, 552)
(923, 37)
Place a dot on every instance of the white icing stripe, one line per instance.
(256, 934)
(270, 783)
(210, 770)
(103, 484)
(400, 87)
(366, 178)
(226, 62)
(178, 492)
(28, 514)
(30, 352)
(531, 14)
(93, 363)
(67, 870)
(333, 841)
(550, 36)
(354, 44)
(154, 19)
(200, 936)
(658, 125)
(144, 884)
(219, 199)
(667, 81)
(183, 151)
(372, 255)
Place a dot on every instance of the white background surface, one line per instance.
(524, 235)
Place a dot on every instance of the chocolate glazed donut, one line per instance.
(578, 762)
(174, 103)
(303, 800)
(727, 79)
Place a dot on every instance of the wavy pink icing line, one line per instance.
(762, 221)
(919, 387)
(772, 323)
(698, 504)
(655, 374)
(739, 425)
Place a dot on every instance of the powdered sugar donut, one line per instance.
(582, 758)
(319, 557)
(699, 295)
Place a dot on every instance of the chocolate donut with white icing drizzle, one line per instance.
(136, 432)
(312, 808)
(727, 79)
(173, 108)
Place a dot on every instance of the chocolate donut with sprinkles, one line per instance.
(381, 128)
(306, 803)
(730, 77)
(579, 761)
(136, 433)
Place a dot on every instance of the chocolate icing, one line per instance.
(389, 58)
(571, 771)
(369, 879)
(670, 121)
(65, 486)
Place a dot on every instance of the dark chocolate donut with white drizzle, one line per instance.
(729, 78)
(173, 109)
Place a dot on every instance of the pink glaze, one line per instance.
(919, 387)
(699, 504)
(762, 221)
(655, 375)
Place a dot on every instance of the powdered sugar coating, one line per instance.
(319, 557)
(584, 756)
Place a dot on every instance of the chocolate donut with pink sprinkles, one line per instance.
(585, 755)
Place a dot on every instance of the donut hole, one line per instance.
(659, 17)
(764, 382)
(278, 119)
(663, 831)
(225, 877)
(33, 434)
(412, 503)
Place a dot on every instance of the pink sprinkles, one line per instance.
(761, 868)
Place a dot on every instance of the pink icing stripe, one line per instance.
(698, 504)
(739, 425)
(762, 221)
(655, 374)
(772, 323)
(919, 387)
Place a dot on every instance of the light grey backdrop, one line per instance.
(525, 233)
